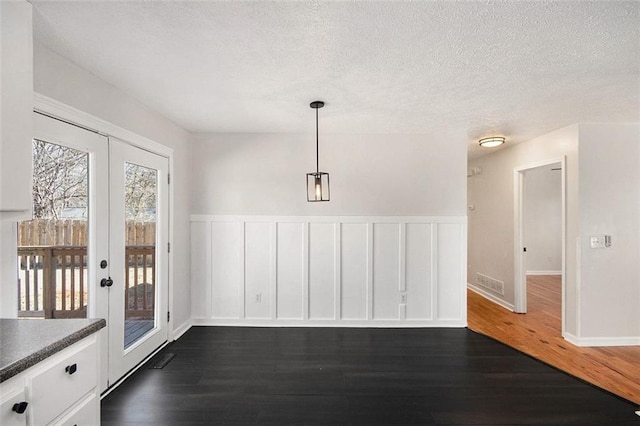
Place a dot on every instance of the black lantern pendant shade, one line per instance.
(317, 182)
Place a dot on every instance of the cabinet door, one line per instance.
(87, 413)
(9, 417)
(16, 71)
(64, 382)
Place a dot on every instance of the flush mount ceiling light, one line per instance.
(317, 182)
(491, 142)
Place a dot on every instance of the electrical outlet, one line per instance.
(403, 297)
(259, 298)
(600, 241)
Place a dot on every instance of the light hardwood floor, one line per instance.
(538, 333)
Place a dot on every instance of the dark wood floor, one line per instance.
(334, 376)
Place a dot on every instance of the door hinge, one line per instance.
(168, 247)
(168, 316)
(168, 178)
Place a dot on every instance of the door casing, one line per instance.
(520, 273)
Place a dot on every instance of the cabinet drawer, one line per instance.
(63, 383)
(85, 414)
(8, 417)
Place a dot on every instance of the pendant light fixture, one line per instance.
(317, 182)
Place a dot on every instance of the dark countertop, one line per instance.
(26, 342)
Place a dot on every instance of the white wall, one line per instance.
(610, 204)
(396, 217)
(57, 78)
(491, 227)
(328, 271)
(603, 198)
(370, 174)
(543, 220)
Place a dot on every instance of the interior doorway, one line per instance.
(540, 218)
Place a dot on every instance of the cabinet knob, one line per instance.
(71, 368)
(20, 407)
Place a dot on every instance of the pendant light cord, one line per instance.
(317, 150)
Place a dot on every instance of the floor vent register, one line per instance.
(163, 361)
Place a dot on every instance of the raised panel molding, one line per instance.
(322, 283)
(257, 270)
(354, 272)
(386, 271)
(290, 257)
(391, 271)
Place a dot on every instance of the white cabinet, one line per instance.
(16, 113)
(82, 414)
(60, 390)
(13, 407)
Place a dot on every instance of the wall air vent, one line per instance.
(489, 283)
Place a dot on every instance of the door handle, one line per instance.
(106, 282)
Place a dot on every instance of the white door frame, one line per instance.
(520, 273)
(121, 359)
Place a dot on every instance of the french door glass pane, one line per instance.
(141, 189)
(52, 247)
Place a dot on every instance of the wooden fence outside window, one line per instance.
(53, 280)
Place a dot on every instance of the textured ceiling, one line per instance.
(461, 70)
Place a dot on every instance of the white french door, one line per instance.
(97, 246)
(67, 238)
(138, 247)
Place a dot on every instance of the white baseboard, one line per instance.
(544, 272)
(179, 331)
(601, 341)
(329, 323)
(491, 297)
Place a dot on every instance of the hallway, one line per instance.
(538, 333)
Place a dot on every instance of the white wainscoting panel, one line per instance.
(451, 240)
(329, 271)
(418, 271)
(257, 277)
(354, 276)
(386, 271)
(290, 266)
(226, 248)
(201, 267)
(322, 283)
